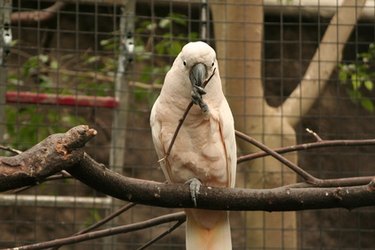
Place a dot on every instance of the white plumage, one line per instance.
(205, 146)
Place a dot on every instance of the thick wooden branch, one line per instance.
(64, 151)
(55, 153)
(174, 195)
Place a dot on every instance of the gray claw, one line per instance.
(200, 90)
(194, 186)
(196, 96)
(203, 107)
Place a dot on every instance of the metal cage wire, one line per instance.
(102, 63)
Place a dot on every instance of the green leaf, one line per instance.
(175, 48)
(151, 26)
(43, 58)
(178, 18)
(354, 95)
(105, 42)
(92, 59)
(343, 75)
(164, 23)
(193, 36)
(369, 85)
(29, 66)
(367, 104)
(356, 83)
(54, 64)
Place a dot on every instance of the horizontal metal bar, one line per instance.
(63, 100)
(324, 8)
(55, 201)
(313, 8)
(157, 2)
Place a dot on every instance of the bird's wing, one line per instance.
(229, 140)
(156, 131)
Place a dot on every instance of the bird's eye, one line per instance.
(213, 63)
(184, 63)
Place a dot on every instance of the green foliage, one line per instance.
(358, 78)
(171, 44)
(158, 42)
(46, 73)
(169, 34)
(27, 125)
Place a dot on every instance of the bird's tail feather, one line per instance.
(207, 230)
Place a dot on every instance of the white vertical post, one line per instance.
(125, 57)
(5, 41)
(120, 116)
(204, 22)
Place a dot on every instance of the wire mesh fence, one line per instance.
(102, 63)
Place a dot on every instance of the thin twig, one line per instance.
(306, 146)
(9, 149)
(317, 137)
(107, 218)
(177, 130)
(63, 175)
(168, 231)
(181, 121)
(121, 210)
(310, 179)
(335, 183)
(343, 182)
(106, 232)
(305, 175)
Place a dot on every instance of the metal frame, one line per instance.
(5, 43)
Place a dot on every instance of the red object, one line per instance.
(63, 100)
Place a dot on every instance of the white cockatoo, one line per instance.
(205, 146)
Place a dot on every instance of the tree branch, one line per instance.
(180, 216)
(291, 165)
(166, 232)
(64, 151)
(309, 179)
(287, 198)
(53, 154)
(311, 145)
(38, 15)
(11, 150)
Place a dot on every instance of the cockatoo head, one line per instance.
(199, 59)
(194, 65)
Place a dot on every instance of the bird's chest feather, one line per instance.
(198, 151)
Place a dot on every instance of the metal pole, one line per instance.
(119, 124)
(7, 200)
(5, 42)
(204, 22)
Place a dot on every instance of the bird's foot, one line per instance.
(196, 96)
(200, 90)
(194, 186)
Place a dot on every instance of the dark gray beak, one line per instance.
(198, 74)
